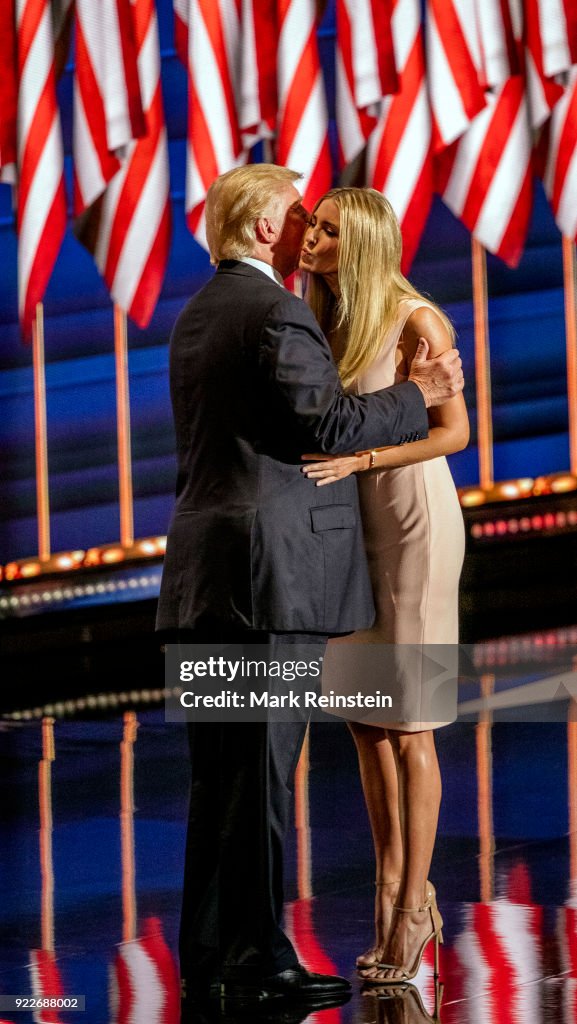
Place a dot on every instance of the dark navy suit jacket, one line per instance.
(252, 541)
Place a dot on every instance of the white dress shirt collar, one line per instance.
(265, 267)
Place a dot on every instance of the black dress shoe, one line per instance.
(296, 983)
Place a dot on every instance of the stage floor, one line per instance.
(92, 843)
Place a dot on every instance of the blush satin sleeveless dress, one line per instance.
(415, 542)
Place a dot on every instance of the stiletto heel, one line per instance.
(408, 972)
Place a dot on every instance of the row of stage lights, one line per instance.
(60, 594)
(470, 497)
(68, 561)
(92, 703)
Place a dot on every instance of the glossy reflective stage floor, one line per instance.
(91, 849)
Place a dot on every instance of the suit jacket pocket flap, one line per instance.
(332, 517)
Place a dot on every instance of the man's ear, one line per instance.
(266, 230)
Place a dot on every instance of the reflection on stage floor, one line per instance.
(93, 826)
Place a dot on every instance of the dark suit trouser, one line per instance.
(242, 781)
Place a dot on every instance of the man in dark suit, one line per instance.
(256, 553)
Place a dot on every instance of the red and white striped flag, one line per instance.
(211, 31)
(143, 982)
(107, 104)
(560, 177)
(129, 230)
(543, 91)
(257, 100)
(399, 155)
(8, 92)
(46, 983)
(365, 70)
(453, 59)
(302, 130)
(500, 955)
(557, 27)
(486, 178)
(41, 210)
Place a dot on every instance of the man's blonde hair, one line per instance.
(370, 280)
(234, 203)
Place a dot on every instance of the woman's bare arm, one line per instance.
(449, 423)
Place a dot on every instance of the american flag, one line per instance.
(41, 208)
(486, 178)
(453, 59)
(399, 154)
(129, 230)
(257, 100)
(302, 129)
(543, 91)
(560, 177)
(8, 93)
(208, 38)
(107, 103)
(559, 146)
(365, 70)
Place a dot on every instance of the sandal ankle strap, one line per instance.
(415, 910)
(396, 881)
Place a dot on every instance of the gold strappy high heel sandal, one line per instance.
(364, 965)
(408, 972)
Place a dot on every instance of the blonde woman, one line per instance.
(413, 527)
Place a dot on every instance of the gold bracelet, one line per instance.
(372, 459)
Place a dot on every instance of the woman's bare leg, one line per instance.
(379, 779)
(419, 801)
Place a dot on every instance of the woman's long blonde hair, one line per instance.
(370, 280)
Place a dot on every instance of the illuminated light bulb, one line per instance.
(161, 545)
(148, 547)
(564, 482)
(513, 525)
(476, 530)
(472, 496)
(112, 555)
(28, 569)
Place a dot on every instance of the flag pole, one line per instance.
(483, 735)
(40, 435)
(123, 428)
(46, 861)
(302, 822)
(482, 366)
(570, 290)
(127, 826)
